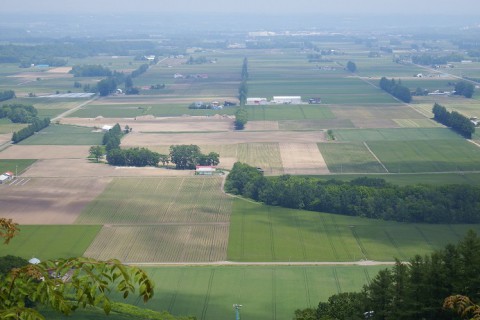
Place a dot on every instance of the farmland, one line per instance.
(205, 249)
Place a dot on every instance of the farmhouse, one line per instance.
(7, 176)
(256, 101)
(205, 170)
(287, 99)
(106, 128)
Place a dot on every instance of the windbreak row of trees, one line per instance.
(463, 88)
(90, 70)
(455, 120)
(396, 89)
(241, 115)
(429, 59)
(18, 113)
(33, 127)
(421, 289)
(364, 197)
(136, 157)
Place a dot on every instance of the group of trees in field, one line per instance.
(464, 88)
(197, 60)
(129, 87)
(135, 157)
(425, 288)
(364, 197)
(241, 118)
(432, 60)
(455, 120)
(36, 125)
(396, 89)
(189, 156)
(18, 113)
(7, 95)
(351, 66)
(90, 70)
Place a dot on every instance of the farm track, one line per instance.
(277, 263)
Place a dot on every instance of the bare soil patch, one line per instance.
(231, 137)
(45, 152)
(48, 201)
(84, 168)
(5, 138)
(302, 158)
(261, 125)
(374, 123)
(60, 70)
(32, 76)
(152, 124)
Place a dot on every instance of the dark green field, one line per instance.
(64, 135)
(15, 166)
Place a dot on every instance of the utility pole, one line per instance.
(237, 311)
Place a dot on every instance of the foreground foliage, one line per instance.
(365, 197)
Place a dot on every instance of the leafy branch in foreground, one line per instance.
(8, 229)
(463, 306)
(67, 284)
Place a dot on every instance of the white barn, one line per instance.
(287, 99)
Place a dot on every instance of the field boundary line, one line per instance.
(475, 143)
(375, 156)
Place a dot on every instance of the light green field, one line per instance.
(50, 241)
(15, 166)
(266, 292)
(266, 233)
(349, 157)
(450, 155)
(64, 135)
(159, 200)
(396, 134)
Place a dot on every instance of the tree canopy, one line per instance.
(396, 89)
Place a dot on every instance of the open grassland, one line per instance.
(448, 155)
(64, 135)
(266, 292)
(396, 134)
(350, 157)
(265, 233)
(161, 243)
(50, 242)
(159, 200)
(17, 166)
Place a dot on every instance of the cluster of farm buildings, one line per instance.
(7, 176)
(281, 100)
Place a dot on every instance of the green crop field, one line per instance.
(396, 134)
(266, 292)
(16, 166)
(159, 200)
(427, 155)
(350, 157)
(64, 135)
(6, 126)
(266, 233)
(50, 241)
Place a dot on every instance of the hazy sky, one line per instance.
(348, 7)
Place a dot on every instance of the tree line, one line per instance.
(454, 120)
(241, 115)
(363, 197)
(420, 289)
(396, 89)
(36, 125)
(7, 95)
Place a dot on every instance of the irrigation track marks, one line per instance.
(375, 156)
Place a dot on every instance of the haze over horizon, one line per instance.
(268, 7)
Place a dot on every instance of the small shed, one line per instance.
(287, 99)
(106, 128)
(205, 170)
(7, 176)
